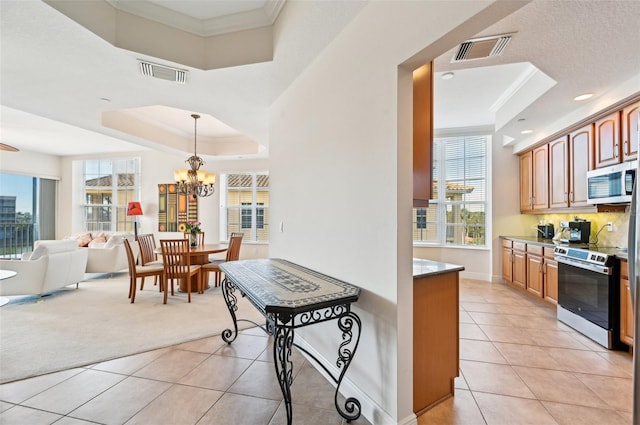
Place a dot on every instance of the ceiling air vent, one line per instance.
(482, 47)
(163, 72)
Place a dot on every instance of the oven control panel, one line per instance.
(592, 257)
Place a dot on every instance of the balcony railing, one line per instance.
(17, 238)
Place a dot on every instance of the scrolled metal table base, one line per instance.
(282, 328)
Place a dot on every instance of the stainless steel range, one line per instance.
(589, 293)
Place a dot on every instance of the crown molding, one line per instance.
(241, 21)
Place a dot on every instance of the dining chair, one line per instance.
(136, 271)
(187, 235)
(147, 244)
(177, 265)
(233, 254)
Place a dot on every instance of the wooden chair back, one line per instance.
(147, 244)
(177, 263)
(136, 272)
(233, 252)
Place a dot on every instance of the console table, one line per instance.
(290, 296)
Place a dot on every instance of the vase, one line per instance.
(193, 238)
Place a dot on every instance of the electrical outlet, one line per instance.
(610, 226)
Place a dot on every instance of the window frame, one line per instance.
(116, 207)
(255, 210)
(441, 203)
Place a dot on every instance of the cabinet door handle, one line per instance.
(625, 147)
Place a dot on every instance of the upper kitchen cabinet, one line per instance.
(422, 135)
(534, 179)
(559, 173)
(580, 161)
(630, 132)
(607, 140)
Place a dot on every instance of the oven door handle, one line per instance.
(587, 266)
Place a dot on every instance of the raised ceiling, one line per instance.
(62, 84)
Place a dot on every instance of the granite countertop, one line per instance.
(619, 253)
(425, 268)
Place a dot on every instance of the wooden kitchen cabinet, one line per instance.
(519, 265)
(607, 141)
(580, 161)
(630, 132)
(559, 173)
(550, 269)
(526, 181)
(422, 135)
(626, 306)
(534, 269)
(436, 350)
(534, 179)
(507, 260)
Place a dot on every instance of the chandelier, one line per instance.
(195, 182)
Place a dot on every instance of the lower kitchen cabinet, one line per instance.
(626, 307)
(535, 275)
(531, 267)
(550, 267)
(507, 260)
(519, 265)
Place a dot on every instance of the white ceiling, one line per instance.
(58, 78)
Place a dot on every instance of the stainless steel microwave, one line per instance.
(611, 185)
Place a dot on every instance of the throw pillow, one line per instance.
(84, 239)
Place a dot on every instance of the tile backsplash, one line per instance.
(599, 234)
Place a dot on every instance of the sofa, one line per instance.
(51, 265)
(106, 252)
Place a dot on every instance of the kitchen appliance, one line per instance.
(634, 282)
(578, 231)
(589, 293)
(611, 185)
(545, 231)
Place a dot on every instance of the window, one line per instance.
(245, 198)
(457, 213)
(27, 212)
(108, 186)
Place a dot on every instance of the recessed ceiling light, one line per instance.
(583, 96)
(8, 148)
(526, 132)
(447, 75)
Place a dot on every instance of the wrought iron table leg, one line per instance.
(228, 290)
(346, 351)
(283, 341)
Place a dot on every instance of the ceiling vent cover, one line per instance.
(163, 72)
(482, 47)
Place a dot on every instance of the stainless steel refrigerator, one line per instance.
(634, 282)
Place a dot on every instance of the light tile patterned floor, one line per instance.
(519, 365)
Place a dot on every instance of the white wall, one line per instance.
(341, 179)
(30, 164)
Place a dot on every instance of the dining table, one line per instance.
(199, 255)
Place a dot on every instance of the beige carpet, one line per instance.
(76, 327)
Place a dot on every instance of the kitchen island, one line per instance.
(435, 332)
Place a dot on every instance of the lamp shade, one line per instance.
(134, 208)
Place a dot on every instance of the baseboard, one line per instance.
(409, 420)
(475, 276)
(369, 408)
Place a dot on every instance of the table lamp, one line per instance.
(134, 209)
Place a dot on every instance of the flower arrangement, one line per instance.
(193, 226)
